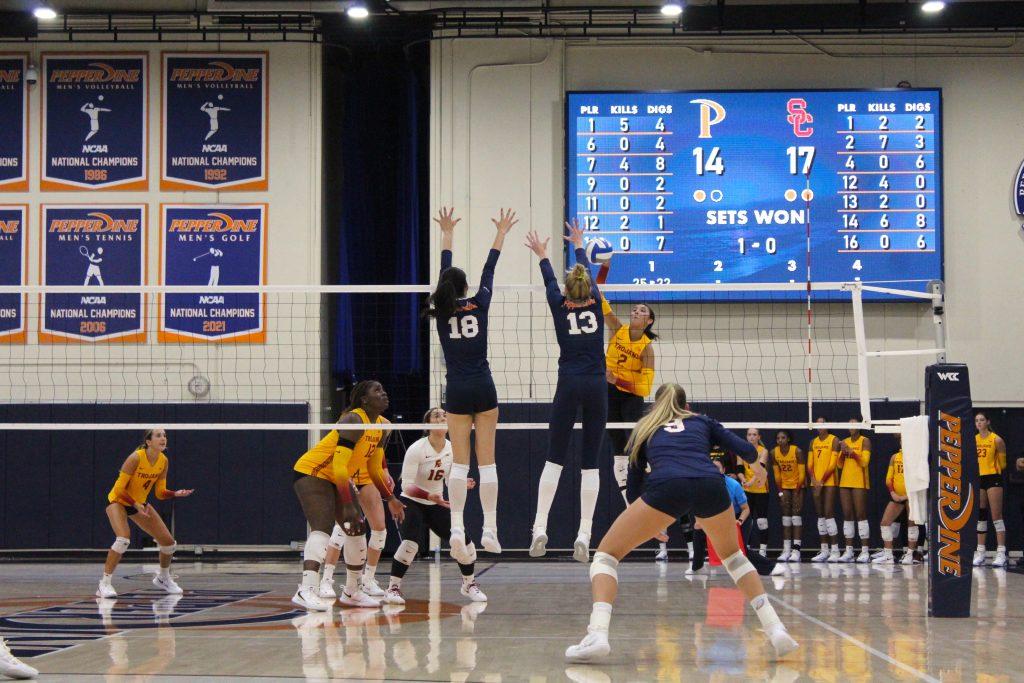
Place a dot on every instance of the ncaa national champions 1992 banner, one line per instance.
(93, 246)
(95, 122)
(214, 121)
(13, 124)
(13, 265)
(211, 245)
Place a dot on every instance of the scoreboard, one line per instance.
(726, 186)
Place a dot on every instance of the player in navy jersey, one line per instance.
(579, 327)
(676, 445)
(470, 397)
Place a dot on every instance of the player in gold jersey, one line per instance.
(143, 471)
(991, 463)
(822, 465)
(757, 491)
(854, 484)
(790, 467)
(897, 486)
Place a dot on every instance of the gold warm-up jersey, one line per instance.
(894, 476)
(144, 478)
(855, 474)
(788, 467)
(359, 463)
(623, 357)
(822, 458)
(748, 475)
(989, 462)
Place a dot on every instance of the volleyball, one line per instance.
(599, 251)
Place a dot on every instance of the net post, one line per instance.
(862, 351)
(938, 290)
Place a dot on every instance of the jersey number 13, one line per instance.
(582, 323)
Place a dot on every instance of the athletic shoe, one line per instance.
(1000, 560)
(489, 541)
(847, 555)
(457, 543)
(864, 557)
(581, 548)
(834, 556)
(167, 584)
(661, 555)
(308, 598)
(884, 558)
(371, 587)
(357, 599)
(781, 640)
(821, 556)
(979, 558)
(11, 666)
(539, 544)
(393, 596)
(105, 590)
(908, 558)
(473, 592)
(796, 555)
(592, 648)
(689, 571)
(877, 554)
(778, 570)
(326, 590)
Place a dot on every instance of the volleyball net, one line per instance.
(786, 344)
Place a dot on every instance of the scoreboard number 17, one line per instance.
(795, 154)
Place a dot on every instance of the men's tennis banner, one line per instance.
(95, 122)
(93, 246)
(13, 123)
(13, 267)
(214, 121)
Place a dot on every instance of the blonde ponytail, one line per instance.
(669, 405)
(577, 284)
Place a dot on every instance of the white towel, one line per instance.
(914, 431)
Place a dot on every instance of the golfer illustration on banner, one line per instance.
(93, 112)
(94, 264)
(213, 111)
(214, 267)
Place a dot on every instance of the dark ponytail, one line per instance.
(146, 436)
(451, 287)
(649, 330)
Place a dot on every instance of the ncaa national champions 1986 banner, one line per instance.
(95, 122)
(211, 245)
(13, 265)
(13, 124)
(214, 121)
(93, 246)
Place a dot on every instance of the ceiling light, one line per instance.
(357, 10)
(933, 6)
(44, 12)
(672, 9)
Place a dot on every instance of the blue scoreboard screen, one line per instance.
(722, 187)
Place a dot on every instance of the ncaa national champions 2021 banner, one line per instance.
(211, 245)
(93, 246)
(13, 267)
(13, 123)
(214, 121)
(95, 117)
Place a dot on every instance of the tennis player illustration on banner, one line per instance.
(213, 111)
(95, 259)
(93, 112)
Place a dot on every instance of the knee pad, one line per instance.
(621, 468)
(887, 533)
(378, 538)
(787, 521)
(797, 520)
(337, 538)
(316, 547)
(168, 549)
(406, 552)
(982, 526)
(121, 544)
(863, 529)
(832, 527)
(982, 514)
(355, 551)
(848, 529)
(999, 525)
(822, 527)
(603, 563)
(762, 524)
(912, 533)
(737, 565)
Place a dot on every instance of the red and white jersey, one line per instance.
(426, 468)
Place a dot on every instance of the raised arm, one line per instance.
(575, 237)
(503, 223)
(446, 221)
(540, 248)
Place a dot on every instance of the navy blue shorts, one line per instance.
(702, 496)
(469, 396)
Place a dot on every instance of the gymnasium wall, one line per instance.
(285, 368)
(497, 140)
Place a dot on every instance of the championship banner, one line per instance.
(211, 245)
(953, 499)
(13, 123)
(13, 269)
(214, 121)
(95, 115)
(93, 246)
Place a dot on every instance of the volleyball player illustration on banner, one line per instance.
(213, 111)
(214, 267)
(93, 112)
(95, 259)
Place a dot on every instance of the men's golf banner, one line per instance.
(13, 123)
(13, 267)
(214, 121)
(95, 122)
(93, 246)
(210, 245)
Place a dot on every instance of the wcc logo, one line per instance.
(1018, 193)
(949, 376)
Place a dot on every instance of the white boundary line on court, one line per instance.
(917, 673)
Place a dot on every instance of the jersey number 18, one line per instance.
(466, 327)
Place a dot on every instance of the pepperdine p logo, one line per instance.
(1018, 193)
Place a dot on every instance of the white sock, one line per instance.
(370, 572)
(329, 572)
(488, 495)
(787, 546)
(824, 547)
(352, 580)
(310, 578)
(1001, 549)
(165, 572)
(689, 549)
(763, 548)
(662, 545)
(601, 616)
(457, 493)
(466, 580)
(395, 582)
(546, 493)
(590, 484)
(106, 579)
(835, 547)
(765, 612)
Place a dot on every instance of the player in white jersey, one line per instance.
(424, 473)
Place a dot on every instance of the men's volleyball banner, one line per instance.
(210, 245)
(214, 121)
(13, 264)
(13, 124)
(95, 122)
(93, 246)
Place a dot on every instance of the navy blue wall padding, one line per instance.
(53, 485)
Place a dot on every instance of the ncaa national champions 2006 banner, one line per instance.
(211, 245)
(95, 118)
(13, 266)
(214, 121)
(13, 123)
(93, 246)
